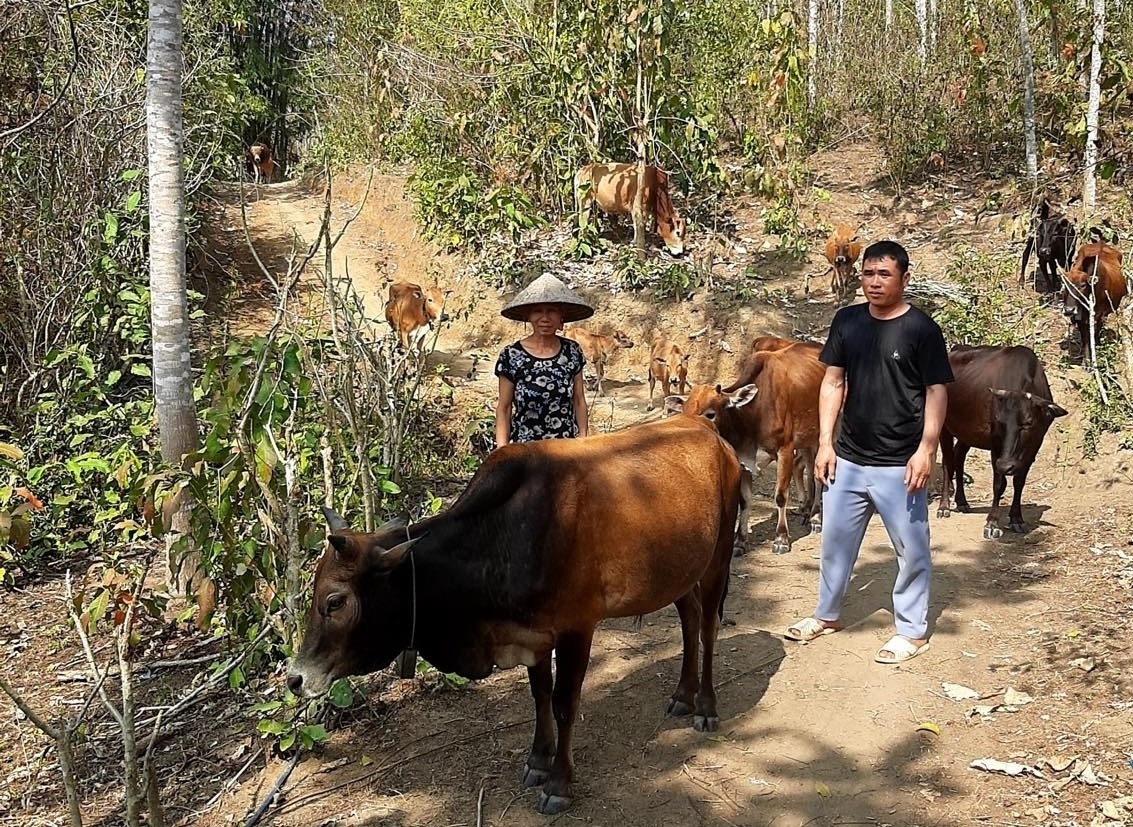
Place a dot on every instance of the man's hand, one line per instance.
(824, 462)
(918, 469)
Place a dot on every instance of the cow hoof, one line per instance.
(705, 723)
(1018, 528)
(944, 512)
(963, 508)
(816, 526)
(992, 532)
(727, 620)
(550, 805)
(533, 776)
(678, 708)
(739, 548)
(780, 547)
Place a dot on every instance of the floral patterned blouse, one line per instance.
(543, 406)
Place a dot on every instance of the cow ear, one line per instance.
(674, 404)
(345, 552)
(335, 522)
(742, 396)
(1044, 209)
(389, 559)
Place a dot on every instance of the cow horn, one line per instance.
(1000, 392)
(335, 522)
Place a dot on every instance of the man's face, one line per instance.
(883, 282)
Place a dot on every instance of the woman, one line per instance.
(541, 392)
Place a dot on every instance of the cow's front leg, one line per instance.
(573, 655)
(992, 531)
(1015, 515)
(944, 507)
(538, 767)
(690, 611)
(747, 494)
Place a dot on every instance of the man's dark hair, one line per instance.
(888, 249)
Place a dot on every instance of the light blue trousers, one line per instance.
(856, 494)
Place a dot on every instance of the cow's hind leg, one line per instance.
(573, 656)
(944, 507)
(786, 462)
(713, 588)
(690, 610)
(959, 454)
(538, 767)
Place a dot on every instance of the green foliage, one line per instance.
(290, 729)
(992, 315)
(1111, 413)
(457, 209)
(675, 280)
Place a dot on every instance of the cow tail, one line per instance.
(1026, 257)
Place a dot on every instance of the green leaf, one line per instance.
(131, 174)
(341, 694)
(138, 369)
(110, 232)
(133, 200)
(9, 451)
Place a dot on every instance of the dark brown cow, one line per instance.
(412, 310)
(260, 163)
(773, 408)
(1000, 402)
(668, 365)
(1095, 278)
(1052, 239)
(548, 539)
(842, 251)
(613, 187)
(599, 348)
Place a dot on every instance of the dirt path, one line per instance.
(814, 734)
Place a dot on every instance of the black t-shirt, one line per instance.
(888, 364)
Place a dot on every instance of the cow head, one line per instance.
(714, 402)
(433, 302)
(1076, 291)
(358, 621)
(1019, 421)
(621, 339)
(1053, 235)
(259, 153)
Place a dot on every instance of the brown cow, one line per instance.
(599, 348)
(1000, 402)
(773, 409)
(411, 312)
(548, 539)
(668, 365)
(613, 187)
(260, 163)
(1095, 278)
(842, 251)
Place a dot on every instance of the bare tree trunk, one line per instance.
(922, 28)
(812, 51)
(888, 15)
(1028, 93)
(172, 368)
(1125, 336)
(1090, 185)
(641, 145)
(932, 24)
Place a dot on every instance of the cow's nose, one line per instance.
(840, 260)
(444, 317)
(295, 683)
(1006, 466)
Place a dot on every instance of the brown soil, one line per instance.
(814, 734)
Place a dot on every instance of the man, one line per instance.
(887, 367)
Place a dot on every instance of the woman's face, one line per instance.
(546, 319)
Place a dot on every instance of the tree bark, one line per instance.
(888, 15)
(1028, 93)
(922, 28)
(172, 368)
(812, 52)
(1090, 184)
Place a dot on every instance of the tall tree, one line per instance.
(812, 51)
(172, 368)
(1028, 92)
(1089, 188)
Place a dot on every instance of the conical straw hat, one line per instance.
(547, 290)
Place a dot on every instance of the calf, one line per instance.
(548, 539)
(1095, 280)
(842, 251)
(1052, 239)
(668, 365)
(412, 310)
(1000, 402)
(774, 409)
(599, 348)
(260, 163)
